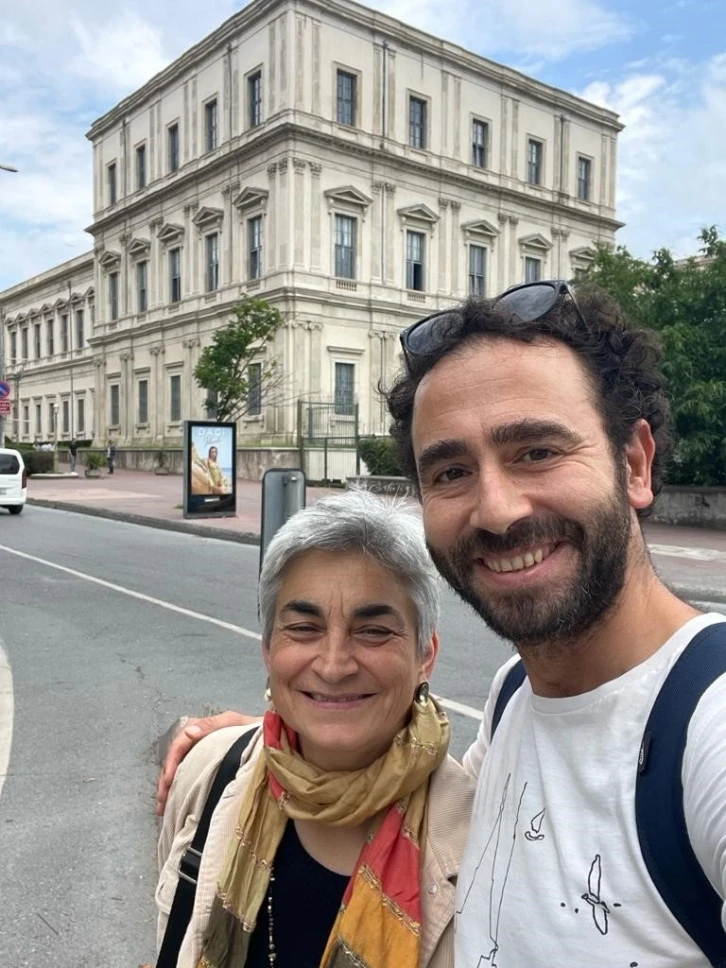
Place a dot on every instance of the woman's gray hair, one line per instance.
(387, 529)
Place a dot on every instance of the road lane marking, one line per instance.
(238, 629)
(7, 707)
(694, 554)
(450, 704)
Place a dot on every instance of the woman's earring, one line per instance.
(421, 695)
(268, 691)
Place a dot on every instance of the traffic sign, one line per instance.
(5, 407)
(4, 389)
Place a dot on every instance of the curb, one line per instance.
(162, 524)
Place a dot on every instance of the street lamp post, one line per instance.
(2, 339)
(8, 168)
(70, 347)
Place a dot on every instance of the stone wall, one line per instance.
(700, 507)
(252, 462)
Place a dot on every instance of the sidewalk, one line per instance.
(691, 560)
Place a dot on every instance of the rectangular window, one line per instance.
(254, 98)
(26, 420)
(254, 234)
(50, 337)
(532, 269)
(114, 408)
(479, 144)
(584, 178)
(346, 230)
(172, 147)
(141, 167)
(477, 270)
(210, 125)
(64, 333)
(111, 184)
(80, 416)
(80, 336)
(143, 412)
(38, 419)
(37, 351)
(142, 292)
(13, 347)
(415, 245)
(66, 425)
(51, 419)
(417, 110)
(534, 162)
(212, 250)
(345, 389)
(175, 275)
(92, 311)
(113, 296)
(347, 85)
(175, 398)
(254, 389)
(24, 342)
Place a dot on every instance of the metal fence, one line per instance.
(328, 442)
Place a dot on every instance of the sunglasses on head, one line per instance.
(527, 302)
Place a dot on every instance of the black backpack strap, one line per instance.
(512, 681)
(659, 812)
(183, 905)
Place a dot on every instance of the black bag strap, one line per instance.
(659, 813)
(183, 904)
(512, 681)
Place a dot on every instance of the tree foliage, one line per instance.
(223, 369)
(685, 301)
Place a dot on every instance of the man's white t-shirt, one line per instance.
(553, 874)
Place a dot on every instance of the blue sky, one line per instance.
(662, 66)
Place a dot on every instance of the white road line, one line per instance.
(7, 707)
(451, 704)
(693, 554)
(238, 629)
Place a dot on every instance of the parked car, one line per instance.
(13, 481)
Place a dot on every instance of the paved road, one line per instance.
(98, 674)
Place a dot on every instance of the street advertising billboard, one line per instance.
(210, 469)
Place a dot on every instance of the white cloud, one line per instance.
(545, 29)
(121, 54)
(672, 154)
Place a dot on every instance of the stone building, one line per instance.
(353, 170)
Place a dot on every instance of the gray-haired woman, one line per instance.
(338, 843)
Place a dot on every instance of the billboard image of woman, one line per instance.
(210, 468)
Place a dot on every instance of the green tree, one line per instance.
(223, 370)
(685, 301)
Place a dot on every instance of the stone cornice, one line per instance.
(443, 53)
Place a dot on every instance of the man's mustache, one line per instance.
(525, 534)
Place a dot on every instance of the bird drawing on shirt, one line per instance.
(535, 827)
(600, 910)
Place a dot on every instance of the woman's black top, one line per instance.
(306, 898)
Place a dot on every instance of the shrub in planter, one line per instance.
(379, 456)
(93, 460)
(39, 462)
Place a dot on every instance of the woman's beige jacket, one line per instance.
(450, 801)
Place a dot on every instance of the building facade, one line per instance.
(354, 171)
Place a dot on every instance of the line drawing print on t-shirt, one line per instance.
(499, 867)
(600, 910)
(535, 827)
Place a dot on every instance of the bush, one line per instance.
(379, 456)
(39, 462)
(93, 460)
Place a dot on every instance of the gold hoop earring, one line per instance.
(268, 691)
(421, 695)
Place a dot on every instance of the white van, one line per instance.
(13, 481)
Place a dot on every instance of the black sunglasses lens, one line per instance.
(530, 302)
(430, 333)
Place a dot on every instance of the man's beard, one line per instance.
(546, 614)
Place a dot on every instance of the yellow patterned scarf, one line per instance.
(379, 922)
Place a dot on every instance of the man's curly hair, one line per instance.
(623, 364)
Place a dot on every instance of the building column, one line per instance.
(299, 209)
(316, 66)
(156, 391)
(271, 221)
(514, 273)
(126, 403)
(503, 254)
(228, 193)
(455, 247)
(443, 244)
(376, 226)
(316, 198)
(390, 234)
(456, 118)
(99, 418)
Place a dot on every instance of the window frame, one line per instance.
(50, 337)
(80, 415)
(39, 419)
(484, 147)
(173, 153)
(587, 195)
(25, 343)
(417, 99)
(255, 271)
(343, 409)
(142, 418)
(536, 166)
(254, 389)
(173, 255)
(255, 99)
(531, 261)
(411, 263)
(142, 275)
(475, 248)
(211, 108)
(211, 267)
(114, 403)
(64, 333)
(79, 324)
(112, 183)
(113, 296)
(172, 378)
(343, 252)
(14, 347)
(37, 342)
(141, 168)
(345, 74)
